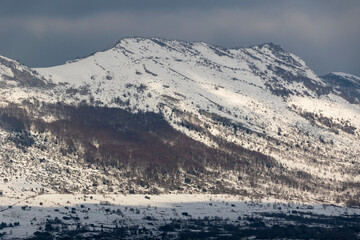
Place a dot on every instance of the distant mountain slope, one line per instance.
(154, 115)
(347, 85)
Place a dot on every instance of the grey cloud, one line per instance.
(324, 33)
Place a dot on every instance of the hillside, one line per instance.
(151, 116)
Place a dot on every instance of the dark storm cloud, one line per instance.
(44, 33)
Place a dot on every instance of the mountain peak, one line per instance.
(271, 46)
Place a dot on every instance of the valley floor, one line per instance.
(182, 216)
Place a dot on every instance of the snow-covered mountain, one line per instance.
(153, 115)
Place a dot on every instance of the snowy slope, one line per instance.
(192, 77)
(262, 88)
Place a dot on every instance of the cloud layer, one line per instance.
(326, 34)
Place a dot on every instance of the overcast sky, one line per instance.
(39, 33)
